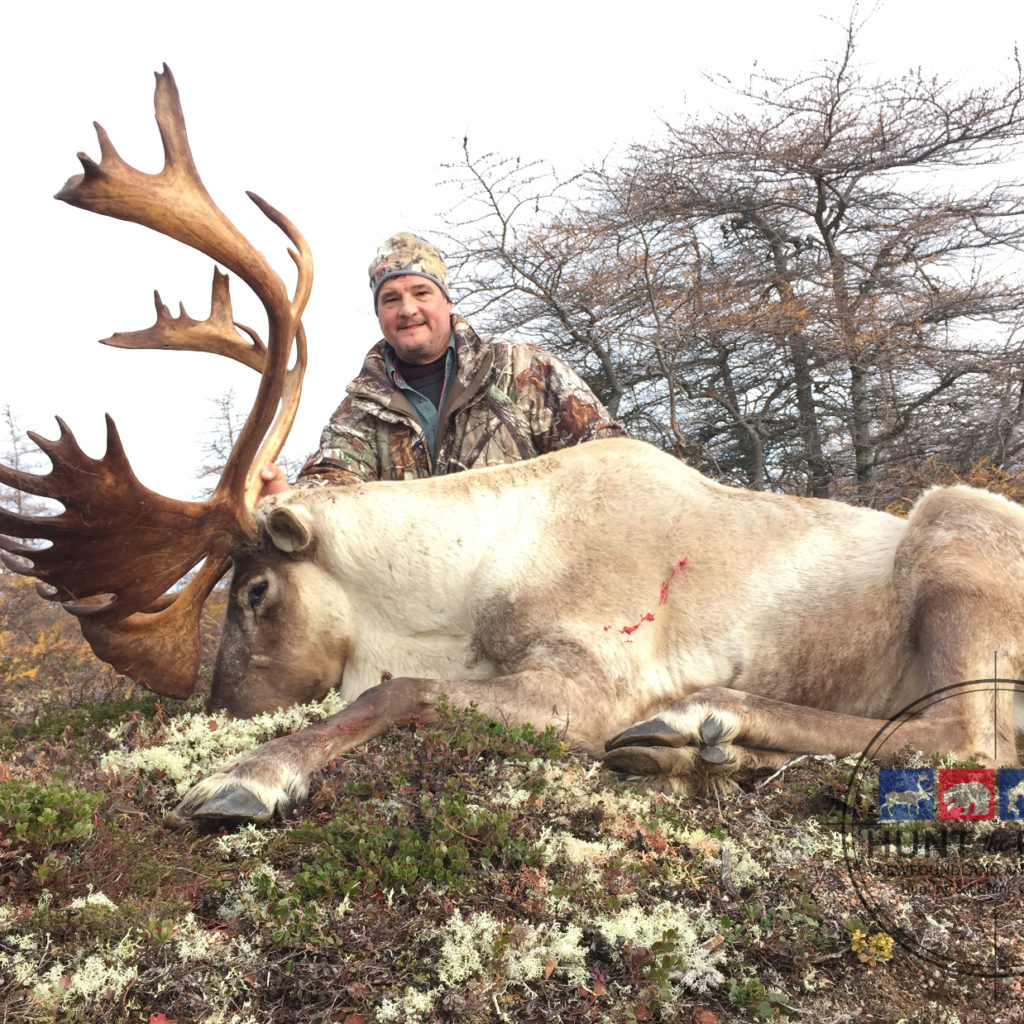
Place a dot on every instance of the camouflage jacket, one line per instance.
(507, 402)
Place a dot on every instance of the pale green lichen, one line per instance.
(562, 847)
(408, 1008)
(683, 931)
(94, 900)
(244, 900)
(92, 978)
(467, 947)
(193, 942)
(230, 1015)
(479, 949)
(248, 841)
(482, 947)
(192, 746)
(743, 869)
(538, 951)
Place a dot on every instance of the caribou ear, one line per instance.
(290, 527)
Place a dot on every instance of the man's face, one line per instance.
(415, 317)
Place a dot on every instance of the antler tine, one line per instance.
(216, 334)
(117, 548)
(275, 439)
(291, 391)
(175, 203)
(303, 259)
(94, 550)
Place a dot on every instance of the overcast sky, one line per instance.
(342, 116)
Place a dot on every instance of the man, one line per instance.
(435, 398)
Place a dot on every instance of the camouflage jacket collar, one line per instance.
(473, 374)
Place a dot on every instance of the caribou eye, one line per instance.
(257, 591)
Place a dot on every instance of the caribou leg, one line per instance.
(717, 738)
(712, 741)
(275, 777)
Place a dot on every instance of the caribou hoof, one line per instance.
(712, 729)
(713, 755)
(695, 759)
(252, 792)
(637, 762)
(709, 734)
(220, 798)
(234, 803)
(655, 733)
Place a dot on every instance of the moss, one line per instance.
(53, 723)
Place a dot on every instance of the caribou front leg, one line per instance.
(275, 777)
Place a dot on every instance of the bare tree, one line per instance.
(523, 260)
(859, 201)
(801, 292)
(224, 424)
(22, 455)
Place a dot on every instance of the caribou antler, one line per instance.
(118, 549)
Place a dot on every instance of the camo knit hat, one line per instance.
(406, 253)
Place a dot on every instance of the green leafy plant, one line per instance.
(46, 814)
(653, 968)
(751, 994)
(445, 837)
(792, 928)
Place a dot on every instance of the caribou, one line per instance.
(689, 634)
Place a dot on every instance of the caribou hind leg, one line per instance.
(658, 757)
(956, 573)
(718, 738)
(960, 567)
(714, 740)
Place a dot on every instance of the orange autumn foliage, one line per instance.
(45, 660)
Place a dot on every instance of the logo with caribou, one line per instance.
(793, 625)
(915, 800)
(976, 794)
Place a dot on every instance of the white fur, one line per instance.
(609, 584)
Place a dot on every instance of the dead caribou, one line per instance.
(688, 633)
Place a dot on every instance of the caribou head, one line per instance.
(134, 566)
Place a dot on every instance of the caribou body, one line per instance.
(699, 632)
(689, 633)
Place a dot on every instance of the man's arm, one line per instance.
(347, 453)
(566, 412)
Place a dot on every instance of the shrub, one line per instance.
(46, 814)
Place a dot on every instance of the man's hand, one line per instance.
(274, 480)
